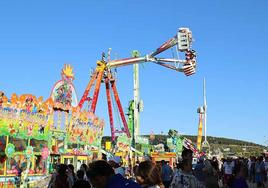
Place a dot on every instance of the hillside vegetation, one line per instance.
(218, 145)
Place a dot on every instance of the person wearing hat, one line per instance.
(115, 162)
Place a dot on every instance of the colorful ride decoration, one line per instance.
(10, 150)
(45, 153)
(29, 152)
(25, 117)
(63, 93)
(86, 129)
(174, 142)
(81, 127)
(123, 143)
(30, 126)
(28, 117)
(2, 98)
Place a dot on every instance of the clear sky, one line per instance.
(38, 37)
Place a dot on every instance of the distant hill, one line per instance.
(218, 145)
(232, 146)
(225, 141)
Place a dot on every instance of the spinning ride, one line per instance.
(104, 73)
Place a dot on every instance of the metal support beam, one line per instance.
(108, 94)
(121, 112)
(96, 92)
(86, 92)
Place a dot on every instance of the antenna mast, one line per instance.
(205, 143)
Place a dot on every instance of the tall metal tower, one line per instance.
(201, 112)
(137, 102)
(205, 144)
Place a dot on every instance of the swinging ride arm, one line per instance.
(183, 40)
(103, 73)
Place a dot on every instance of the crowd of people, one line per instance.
(207, 173)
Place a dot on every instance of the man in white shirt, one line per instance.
(228, 167)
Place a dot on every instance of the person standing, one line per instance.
(215, 164)
(81, 183)
(187, 154)
(240, 178)
(199, 170)
(115, 162)
(53, 176)
(259, 172)
(83, 167)
(228, 167)
(62, 178)
(166, 173)
(71, 174)
(266, 170)
(184, 177)
(252, 169)
(148, 175)
(211, 175)
(102, 175)
(249, 168)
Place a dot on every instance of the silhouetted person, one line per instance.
(102, 175)
(62, 178)
(187, 154)
(83, 167)
(81, 183)
(240, 178)
(71, 175)
(166, 174)
(199, 170)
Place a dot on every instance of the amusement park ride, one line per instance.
(35, 134)
(202, 111)
(103, 73)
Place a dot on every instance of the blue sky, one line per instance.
(38, 37)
